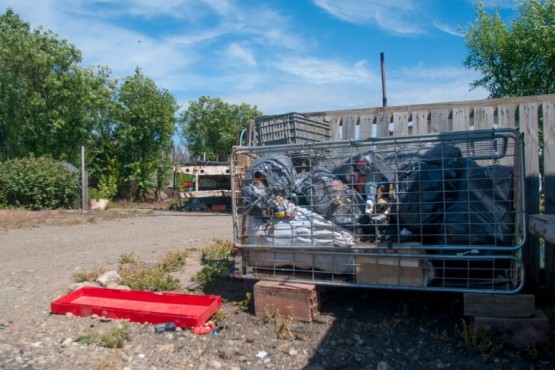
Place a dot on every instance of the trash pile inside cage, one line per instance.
(432, 212)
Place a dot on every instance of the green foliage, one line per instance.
(51, 105)
(219, 249)
(96, 194)
(216, 261)
(245, 303)
(145, 117)
(137, 275)
(107, 188)
(518, 60)
(37, 183)
(172, 261)
(144, 278)
(48, 102)
(210, 126)
(213, 271)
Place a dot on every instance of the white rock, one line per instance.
(216, 364)
(108, 278)
(293, 352)
(67, 342)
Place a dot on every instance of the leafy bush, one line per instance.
(37, 183)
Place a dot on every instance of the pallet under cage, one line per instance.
(435, 212)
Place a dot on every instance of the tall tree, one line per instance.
(48, 103)
(210, 126)
(145, 122)
(518, 60)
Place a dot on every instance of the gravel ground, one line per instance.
(358, 328)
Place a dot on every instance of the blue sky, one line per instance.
(280, 55)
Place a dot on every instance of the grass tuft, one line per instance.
(172, 261)
(217, 262)
(91, 275)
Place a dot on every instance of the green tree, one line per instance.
(48, 103)
(518, 60)
(144, 119)
(210, 126)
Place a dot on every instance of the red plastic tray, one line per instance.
(185, 310)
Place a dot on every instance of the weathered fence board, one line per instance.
(548, 111)
(483, 118)
(334, 121)
(349, 127)
(528, 114)
(420, 122)
(400, 124)
(461, 119)
(366, 123)
(439, 121)
(506, 116)
(382, 125)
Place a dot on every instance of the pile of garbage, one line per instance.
(430, 195)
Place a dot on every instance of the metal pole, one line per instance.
(384, 88)
(83, 181)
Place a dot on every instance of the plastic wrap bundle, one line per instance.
(327, 195)
(307, 228)
(269, 176)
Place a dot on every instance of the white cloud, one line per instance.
(394, 16)
(321, 71)
(447, 28)
(240, 54)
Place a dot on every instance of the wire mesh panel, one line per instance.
(434, 212)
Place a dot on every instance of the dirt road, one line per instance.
(37, 264)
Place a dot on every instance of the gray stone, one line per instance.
(108, 278)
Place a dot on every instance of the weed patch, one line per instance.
(481, 341)
(141, 277)
(172, 261)
(216, 263)
(91, 275)
(114, 338)
(138, 276)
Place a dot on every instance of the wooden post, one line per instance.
(84, 182)
(528, 118)
(548, 111)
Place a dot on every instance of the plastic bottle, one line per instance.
(167, 326)
(370, 190)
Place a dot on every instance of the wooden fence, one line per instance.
(525, 113)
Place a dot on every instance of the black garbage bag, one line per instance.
(268, 177)
(373, 162)
(441, 155)
(327, 195)
(482, 211)
(427, 179)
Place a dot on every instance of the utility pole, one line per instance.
(384, 88)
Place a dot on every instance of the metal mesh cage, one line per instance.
(433, 212)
